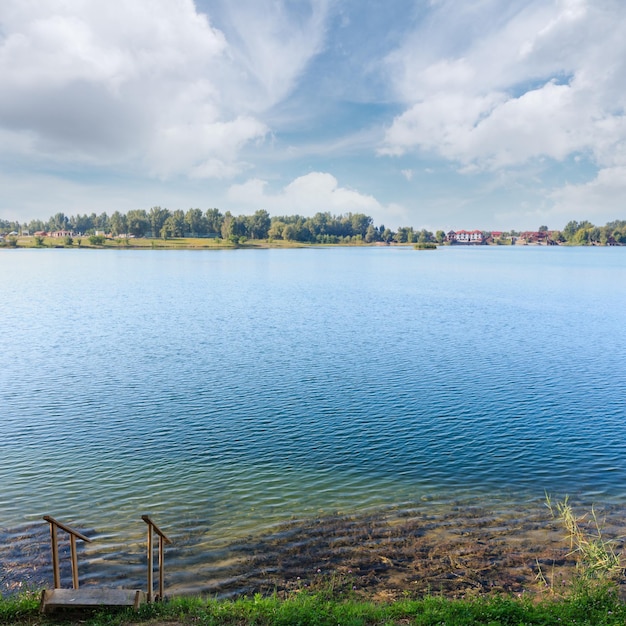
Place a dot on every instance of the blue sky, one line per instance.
(430, 113)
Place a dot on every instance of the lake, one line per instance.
(227, 392)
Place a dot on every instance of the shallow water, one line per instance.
(226, 392)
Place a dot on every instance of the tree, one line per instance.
(225, 229)
(82, 223)
(402, 235)
(59, 222)
(359, 223)
(425, 236)
(372, 234)
(118, 224)
(290, 232)
(258, 225)
(214, 221)
(174, 225)
(101, 222)
(276, 230)
(35, 225)
(543, 229)
(440, 236)
(137, 222)
(387, 235)
(195, 222)
(157, 217)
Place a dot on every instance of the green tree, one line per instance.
(118, 224)
(290, 232)
(174, 225)
(387, 235)
(402, 235)
(570, 230)
(157, 217)
(59, 222)
(195, 223)
(214, 221)
(359, 223)
(35, 225)
(226, 226)
(372, 234)
(581, 237)
(425, 236)
(258, 225)
(101, 222)
(81, 223)
(276, 230)
(137, 222)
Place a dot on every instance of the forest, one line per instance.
(323, 228)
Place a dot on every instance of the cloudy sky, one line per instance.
(430, 113)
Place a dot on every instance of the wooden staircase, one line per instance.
(89, 598)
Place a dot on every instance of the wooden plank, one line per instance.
(52, 599)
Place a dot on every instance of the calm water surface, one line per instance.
(224, 392)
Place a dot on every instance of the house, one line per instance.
(465, 237)
(59, 234)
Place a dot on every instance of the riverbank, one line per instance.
(464, 552)
(596, 607)
(206, 243)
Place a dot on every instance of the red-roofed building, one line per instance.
(466, 237)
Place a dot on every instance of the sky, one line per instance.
(437, 114)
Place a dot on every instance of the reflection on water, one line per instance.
(228, 393)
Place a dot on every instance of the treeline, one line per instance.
(159, 222)
(585, 233)
(321, 228)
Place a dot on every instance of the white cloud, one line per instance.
(152, 83)
(272, 43)
(502, 85)
(600, 200)
(308, 194)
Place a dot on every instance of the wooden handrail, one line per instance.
(74, 534)
(163, 538)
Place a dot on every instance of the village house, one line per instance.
(466, 237)
(61, 233)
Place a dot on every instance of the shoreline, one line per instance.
(208, 243)
(464, 551)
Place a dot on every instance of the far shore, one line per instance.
(208, 243)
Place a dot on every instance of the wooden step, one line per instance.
(88, 598)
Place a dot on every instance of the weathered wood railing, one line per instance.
(74, 534)
(163, 539)
(89, 597)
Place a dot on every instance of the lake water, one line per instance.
(226, 392)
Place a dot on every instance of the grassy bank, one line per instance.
(175, 243)
(593, 607)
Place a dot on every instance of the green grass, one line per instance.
(597, 560)
(597, 607)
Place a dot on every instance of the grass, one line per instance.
(174, 243)
(597, 560)
(599, 607)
